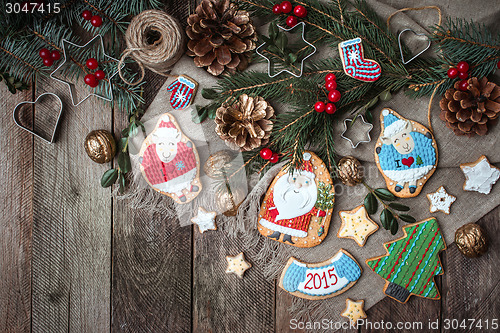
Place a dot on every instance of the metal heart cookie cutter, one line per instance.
(369, 127)
(401, 49)
(18, 122)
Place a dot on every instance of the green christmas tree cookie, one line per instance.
(412, 262)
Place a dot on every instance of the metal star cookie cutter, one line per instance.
(15, 115)
(401, 49)
(370, 127)
(301, 63)
(71, 85)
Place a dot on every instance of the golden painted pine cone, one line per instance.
(245, 124)
(473, 111)
(221, 36)
(350, 171)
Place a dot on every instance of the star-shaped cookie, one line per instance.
(237, 265)
(356, 224)
(205, 220)
(480, 176)
(441, 200)
(354, 310)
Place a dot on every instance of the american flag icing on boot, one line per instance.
(355, 65)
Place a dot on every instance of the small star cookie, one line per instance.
(357, 225)
(354, 310)
(441, 200)
(480, 176)
(205, 220)
(237, 265)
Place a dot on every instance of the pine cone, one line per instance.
(221, 36)
(246, 124)
(471, 112)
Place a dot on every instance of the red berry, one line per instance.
(291, 21)
(266, 153)
(48, 62)
(462, 66)
(92, 63)
(91, 80)
(321, 213)
(96, 21)
(44, 53)
(286, 7)
(100, 74)
(452, 73)
(277, 9)
(463, 85)
(330, 77)
(274, 158)
(55, 55)
(330, 85)
(300, 11)
(463, 75)
(334, 96)
(498, 65)
(331, 108)
(87, 15)
(319, 106)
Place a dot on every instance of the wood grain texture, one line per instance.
(72, 225)
(224, 302)
(16, 217)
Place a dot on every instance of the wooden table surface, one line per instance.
(75, 259)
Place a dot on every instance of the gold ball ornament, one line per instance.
(471, 240)
(100, 146)
(350, 171)
(218, 162)
(228, 202)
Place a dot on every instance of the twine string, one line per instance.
(155, 40)
(415, 8)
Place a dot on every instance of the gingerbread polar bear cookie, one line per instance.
(405, 153)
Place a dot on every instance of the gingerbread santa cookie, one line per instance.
(169, 161)
(405, 153)
(298, 205)
(411, 262)
(320, 280)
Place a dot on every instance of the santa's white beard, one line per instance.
(291, 201)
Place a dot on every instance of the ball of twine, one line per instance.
(155, 40)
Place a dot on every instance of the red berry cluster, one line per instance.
(268, 154)
(95, 20)
(462, 72)
(333, 95)
(286, 7)
(93, 79)
(49, 57)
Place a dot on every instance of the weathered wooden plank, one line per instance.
(472, 285)
(16, 217)
(151, 287)
(72, 225)
(223, 302)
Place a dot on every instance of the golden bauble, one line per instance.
(471, 240)
(350, 171)
(100, 146)
(218, 163)
(229, 201)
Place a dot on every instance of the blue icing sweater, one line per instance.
(344, 267)
(391, 159)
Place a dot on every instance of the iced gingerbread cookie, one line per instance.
(357, 225)
(480, 176)
(405, 153)
(237, 265)
(320, 280)
(354, 311)
(441, 200)
(170, 162)
(298, 205)
(411, 262)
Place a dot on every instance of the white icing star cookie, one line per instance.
(480, 176)
(237, 265)
(205, 220)
(441, 200)
(354, 310)
(357, 225)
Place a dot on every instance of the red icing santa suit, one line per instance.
(296, 225)
(175, 175)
